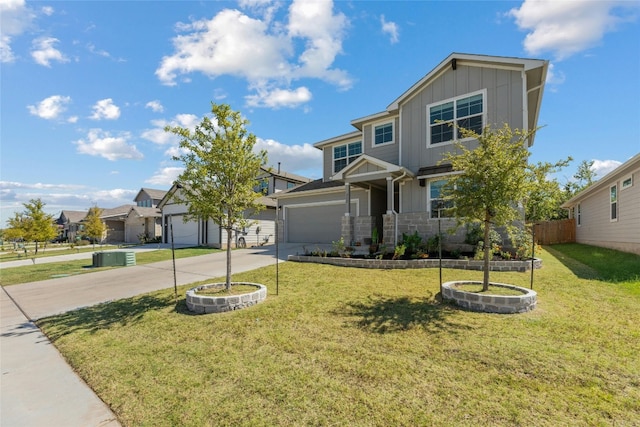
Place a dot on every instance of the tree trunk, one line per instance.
(229, 230)
(487, 254)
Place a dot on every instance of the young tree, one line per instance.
(220, 171)
(93, 225)
(584, 177)
(493, 180)
(546, 196)
(33, 225)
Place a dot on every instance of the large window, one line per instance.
(383, 134)
(438, 207)
(466, 112)
(345, 154)
(614, 202)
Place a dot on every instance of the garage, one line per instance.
(315, 223)
(183, 233)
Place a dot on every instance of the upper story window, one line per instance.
(627, 182)
(613, 191)
(345, 154)
(438, 207)
(144, 203)
(466, 112)
(263, 186)
(290, 185)
(383, 134)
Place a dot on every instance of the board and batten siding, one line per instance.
(504, 104)
(596, 227)
(387, 152)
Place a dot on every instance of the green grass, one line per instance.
(37, 272)
(357, 347)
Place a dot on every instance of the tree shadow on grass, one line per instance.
(104, 316)
(382, 315)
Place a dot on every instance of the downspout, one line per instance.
(395, 214)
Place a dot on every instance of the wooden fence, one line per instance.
(550, 232)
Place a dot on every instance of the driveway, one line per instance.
(38, 388)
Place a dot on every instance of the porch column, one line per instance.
(389, 195)
(347, 192)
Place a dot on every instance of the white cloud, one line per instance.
(390, 28)
(101, 143)
(43, 51)
(50, 108)
(157, 134)
(165, 176)
(568, 27)
(279, 98)
(261, 50)
(15, 18)
(39, 186)
(554, 77)
(47, 10)
(302, 159)
(155, 105)
(105, 109)
(602, 167)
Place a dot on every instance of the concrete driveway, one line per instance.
(38, 388)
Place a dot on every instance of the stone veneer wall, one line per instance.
(219, 304)
(462, 264)
(347, 229)
(426, 227)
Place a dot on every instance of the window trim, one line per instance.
(346, 145)
(429, 198)
(613, 202)
(455, 99)
(381, 124)
(623, 182)
(578, 214)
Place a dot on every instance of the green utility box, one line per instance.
(115, 258)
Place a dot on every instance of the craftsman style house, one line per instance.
(386, 174)
(607, 213)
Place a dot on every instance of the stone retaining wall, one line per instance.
(506, 304)
(219, 304)
(462, 264)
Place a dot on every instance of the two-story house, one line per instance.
(207, 233)
(144, 219)
(387, 175)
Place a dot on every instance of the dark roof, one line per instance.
(153, 193)
(286, 175)
(317, 184)
(73, 216)
(434, 170)
(117, 211)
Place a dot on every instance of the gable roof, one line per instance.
(115, 212)
(73, 216)
(624, 169)
(153, 193)
(382, 170)
(145, 212)
(286, 175)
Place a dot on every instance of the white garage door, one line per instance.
(183, 233)
(315, 224)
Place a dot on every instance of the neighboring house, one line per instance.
(142, 222)
(208, 233)
(149, 197)
(70, 223)
(607, 213)
(144, 219)
(274, 181)
(114, 220)
(387, 173)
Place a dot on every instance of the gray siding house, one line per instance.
(387, 173)
(607, 213)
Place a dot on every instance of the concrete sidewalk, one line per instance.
(38, 388)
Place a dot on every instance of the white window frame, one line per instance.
(349, 158)
(383, 124)
(613, 202)
(429, 198)
(455, 119)
(627, 182)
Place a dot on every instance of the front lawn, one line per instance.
(344, 346)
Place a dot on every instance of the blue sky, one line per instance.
(86, 87)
